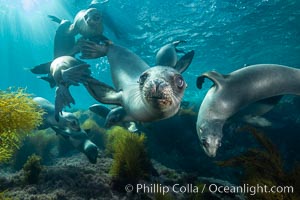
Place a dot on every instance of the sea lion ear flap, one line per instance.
(184, 62)
(214, 76)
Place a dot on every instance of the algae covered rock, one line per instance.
(32, 169)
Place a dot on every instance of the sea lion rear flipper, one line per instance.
(49, 79)
(42, 68)
(77, 74)
(100, 110)
(103, 92)
(62, 132)
(63, 98)
(54, 19)
(184, 62)
(214, 76)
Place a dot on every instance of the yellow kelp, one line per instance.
(19, 114)
(131, 162)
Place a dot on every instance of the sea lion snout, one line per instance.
(210, 145)
(158, 86)
(157, 89)
(158, 92)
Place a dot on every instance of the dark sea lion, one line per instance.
(259, 86)
(68, 127)
(143, 93)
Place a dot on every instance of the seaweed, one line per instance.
(3, 195)
(19, 115)
(40, 143)
(131, 162)
(265, 167)
(32, 169)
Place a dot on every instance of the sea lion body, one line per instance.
(68, 127)
(233, 92)
(143, 93)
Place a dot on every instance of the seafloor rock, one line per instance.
(77, 179)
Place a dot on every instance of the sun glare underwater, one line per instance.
(101, 122)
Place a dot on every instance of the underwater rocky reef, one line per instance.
(157, 157)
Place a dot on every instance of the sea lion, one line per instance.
(64, 40)
(68, 127)
(259, 86)
(167, 55)
(142, 93)
(64, 71)
(110, 119)
(88, 23)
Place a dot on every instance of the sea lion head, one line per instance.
(70, 121)
(162, 88)
(89, 23)
(210, 135)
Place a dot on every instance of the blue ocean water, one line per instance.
(225, 35)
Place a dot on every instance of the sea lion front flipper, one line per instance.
(214, 76)
(42, 68)
(115, 116)
(184, 62)
(103, 92)
(63, 98)
(92, 50)
(76, 74)
(99, 110)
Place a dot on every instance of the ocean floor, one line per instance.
(75, 178)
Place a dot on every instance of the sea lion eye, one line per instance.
(143, 78)
(179, 82)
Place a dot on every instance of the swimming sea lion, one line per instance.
(110, 20)
(250, 86)
(68, 127)
(110, 119)
(66, 120)
(88, 23)
(167, 55)
(142, 93)
(65, 71)
(64, 40)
